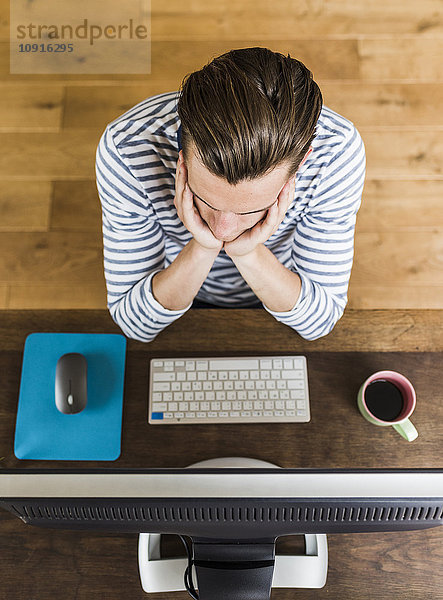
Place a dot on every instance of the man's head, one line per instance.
(229, 210)
(248, 119)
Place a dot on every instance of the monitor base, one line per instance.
(167, 575)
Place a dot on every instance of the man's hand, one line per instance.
(262, 231)
(188, 213)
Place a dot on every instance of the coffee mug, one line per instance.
(386, 399)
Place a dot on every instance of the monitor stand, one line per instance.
(166, 575)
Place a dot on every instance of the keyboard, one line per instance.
(252, 389)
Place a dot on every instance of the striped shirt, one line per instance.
(135, 167)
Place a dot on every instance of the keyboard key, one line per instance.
(295, 384)
(164, 377)
(266, 364)
(157, 416)
(160, 387)
(228, 365)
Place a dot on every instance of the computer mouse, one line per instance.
(71, 383)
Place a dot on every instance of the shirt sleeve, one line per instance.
(323, 244)
(133, 246)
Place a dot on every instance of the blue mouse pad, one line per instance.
(42, 432)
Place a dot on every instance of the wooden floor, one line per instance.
(378, 63)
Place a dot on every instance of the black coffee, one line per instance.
(384, 400)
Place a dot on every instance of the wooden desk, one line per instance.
(42, 564)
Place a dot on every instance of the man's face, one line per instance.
(230, 210)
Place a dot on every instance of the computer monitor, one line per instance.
(232, 516)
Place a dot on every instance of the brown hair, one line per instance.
(247, 112)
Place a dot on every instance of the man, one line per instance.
(241, 190)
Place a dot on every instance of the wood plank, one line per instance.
(76, 207)
(406, 155)
(328, 18)
(308, 18)
(398, 258)
(413, 58)
(4, 295)
(385, 296)
(25, 206)
(39, 108)
(54, 296)
(356, 331)
(329, 59)
(368, 59)
(99, 105)
(52, 258)
(400, 206)
(67, 155)
(386, 105)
